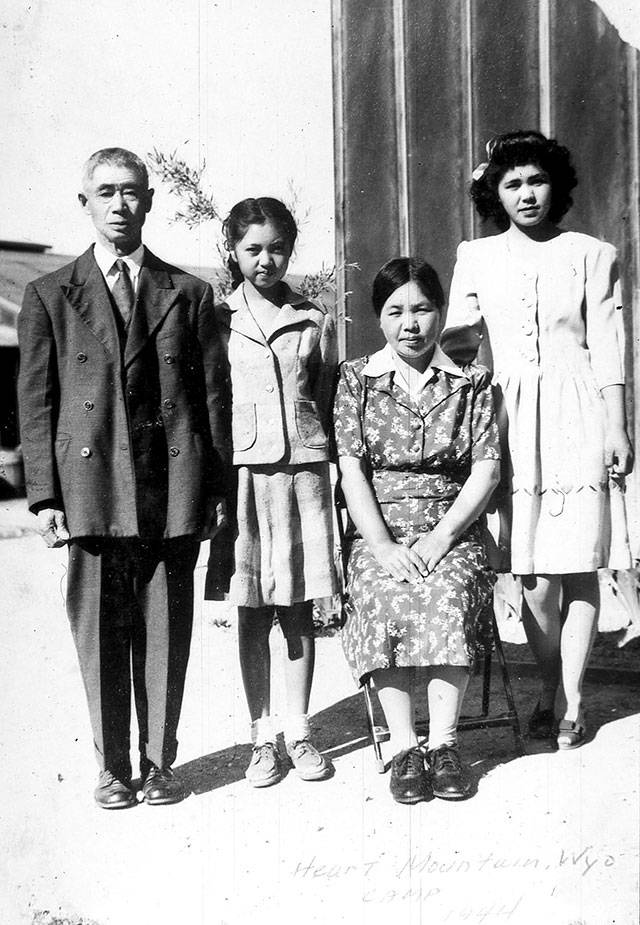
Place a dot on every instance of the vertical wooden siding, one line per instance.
(437, 138)
(591, 115)
(370, 207)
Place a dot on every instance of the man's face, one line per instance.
(117, 200)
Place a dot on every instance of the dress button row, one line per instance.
(81, 357)
(88, 406)
(85, 452)
(169, 358)
(169, 404)
(174, 451)
(269, 388)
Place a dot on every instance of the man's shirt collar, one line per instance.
(106, 260)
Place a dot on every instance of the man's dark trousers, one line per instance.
(130, 604)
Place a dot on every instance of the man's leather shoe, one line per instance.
(449, 779)
(160, 787)
(409, 782)
(112, 793)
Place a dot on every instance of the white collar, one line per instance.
(106, 259)
(387, 361)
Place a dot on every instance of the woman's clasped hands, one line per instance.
(415, 560)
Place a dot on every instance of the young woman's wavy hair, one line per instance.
(401, 270)
(256, 212)
(516, 149)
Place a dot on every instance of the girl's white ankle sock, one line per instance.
(296, 727)
(263, 730)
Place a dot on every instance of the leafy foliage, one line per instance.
(186, 183)
(198, 205)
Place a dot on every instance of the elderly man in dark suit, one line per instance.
(124, 405)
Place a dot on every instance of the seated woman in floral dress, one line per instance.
(419, 458)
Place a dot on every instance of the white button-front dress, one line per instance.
(554, 330)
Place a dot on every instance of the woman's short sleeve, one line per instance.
(461, 338)
(347, 420)
(605, 329)
(485, 439)
(463, 305)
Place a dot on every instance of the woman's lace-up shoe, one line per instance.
(449, 779)
(409, 782)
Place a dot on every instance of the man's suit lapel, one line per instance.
(87, 293)
(155, 297)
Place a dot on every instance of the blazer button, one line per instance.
(85, 452)
(81, 357)
(88, 406)
(168, 358)
(174, 451)
(269, 388)
(168, 403)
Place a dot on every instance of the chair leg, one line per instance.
(506, 680)
(486, 679)
(380, 766)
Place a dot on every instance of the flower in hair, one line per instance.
(478, 173)
(490, 145)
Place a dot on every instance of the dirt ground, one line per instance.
(547, 836)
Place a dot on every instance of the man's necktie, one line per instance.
(122, 291)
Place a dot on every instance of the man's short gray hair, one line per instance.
(119, 157)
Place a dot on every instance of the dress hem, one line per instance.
(575, 569)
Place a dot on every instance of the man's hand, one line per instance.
(52, 526)
(215, 517)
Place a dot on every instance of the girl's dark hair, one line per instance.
(515, 149)
(256, 212)
(401, 270)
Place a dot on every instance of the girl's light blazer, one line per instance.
(282, 383)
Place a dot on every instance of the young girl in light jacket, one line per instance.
(283, 357)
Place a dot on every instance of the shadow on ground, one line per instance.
(341, 729)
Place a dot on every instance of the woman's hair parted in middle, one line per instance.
(256, 212)
(401, 270)
(516, 149)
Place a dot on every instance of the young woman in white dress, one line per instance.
(545, 306)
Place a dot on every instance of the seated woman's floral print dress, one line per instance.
(419, 454)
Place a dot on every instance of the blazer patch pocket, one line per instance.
(243, 425)
(308, 424)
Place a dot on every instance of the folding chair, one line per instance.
(491, 642)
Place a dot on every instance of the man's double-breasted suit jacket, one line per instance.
(129, 434)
